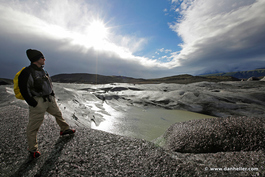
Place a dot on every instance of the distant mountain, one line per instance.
(241, 74)
(100, 79)
(92, 79)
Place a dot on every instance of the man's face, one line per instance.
(41, 61)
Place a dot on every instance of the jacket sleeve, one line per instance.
(23, 87)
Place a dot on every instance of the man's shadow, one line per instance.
(30, 162)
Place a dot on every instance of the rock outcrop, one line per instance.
(216, 135)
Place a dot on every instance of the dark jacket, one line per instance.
(34, 81)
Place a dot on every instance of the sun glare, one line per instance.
(97, 31)
(95, 35)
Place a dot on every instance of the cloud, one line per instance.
(221, 35)
(60, 30)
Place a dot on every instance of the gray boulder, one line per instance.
(216, 135)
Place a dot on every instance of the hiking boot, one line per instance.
(35, 154)
(68, 131)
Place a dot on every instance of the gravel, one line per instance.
(96, 153)
(231, 146)
(87, 153)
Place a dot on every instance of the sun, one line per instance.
(95, 34)
(97, 31)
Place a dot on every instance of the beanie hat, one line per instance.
(34, 55)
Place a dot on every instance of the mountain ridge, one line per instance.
(240, 74)
(88, 78)
(101, 79)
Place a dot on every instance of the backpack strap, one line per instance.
(32, 72)
(22, 84)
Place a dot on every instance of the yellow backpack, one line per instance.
(16, 87)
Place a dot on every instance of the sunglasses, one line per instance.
(42, 57)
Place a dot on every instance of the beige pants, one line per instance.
(36, 117)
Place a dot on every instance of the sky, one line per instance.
(133, 38)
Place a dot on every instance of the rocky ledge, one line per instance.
(96, 153)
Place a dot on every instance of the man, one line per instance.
(36, 87)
